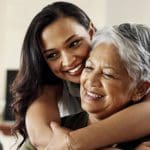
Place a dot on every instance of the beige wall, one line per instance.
(15, 15)
(136, 11)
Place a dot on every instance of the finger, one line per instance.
(57, 128)
(147, 143)
(54, 125)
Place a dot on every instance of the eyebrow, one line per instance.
(109, 67)
(105, 66)
(66, 41)
(88, 60)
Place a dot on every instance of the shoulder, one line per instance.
(52, 89)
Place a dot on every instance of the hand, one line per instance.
(59, 138)
(144, 146)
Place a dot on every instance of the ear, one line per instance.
(140, 91)
(91, 30)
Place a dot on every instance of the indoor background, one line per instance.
(15, 16)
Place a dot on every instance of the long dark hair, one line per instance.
(34, 72)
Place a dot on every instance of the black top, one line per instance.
(80, 120)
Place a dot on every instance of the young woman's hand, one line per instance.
(144, 146)
(41, 112)
(59, 140)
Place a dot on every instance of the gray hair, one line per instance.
(133, 44)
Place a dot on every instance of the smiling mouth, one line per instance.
(76, 71)
(93, 96)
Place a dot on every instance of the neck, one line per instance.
(92, 119)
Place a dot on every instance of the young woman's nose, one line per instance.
(67, 59)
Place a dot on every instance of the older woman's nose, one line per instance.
(94, 80)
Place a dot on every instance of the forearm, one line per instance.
(39, 131)
(38, 118)
(125, 125)
(42, 140)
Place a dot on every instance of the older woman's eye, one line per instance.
(75, 44)
(88, 68)
(108, 76)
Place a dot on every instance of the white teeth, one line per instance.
(75, 69)
(94, 95)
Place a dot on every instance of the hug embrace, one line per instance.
(93, 83)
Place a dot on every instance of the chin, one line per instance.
(98, 115)
(96, 112)
(71, 79)
(89, 109)
(77, 80)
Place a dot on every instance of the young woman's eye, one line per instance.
(52, 56)
(75, 44)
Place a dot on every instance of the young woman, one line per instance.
(54, 52)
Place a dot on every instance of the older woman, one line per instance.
(116, 75)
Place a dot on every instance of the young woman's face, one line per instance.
(66, 46)
(106, 86)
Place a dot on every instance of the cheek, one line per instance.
(85, 50)
(126, 89)
(82, 96)
(54, 66)
(82, 83)
(83, 78)
(119, 94)
(81, 92)
(111, 88)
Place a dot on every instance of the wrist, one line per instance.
(72, 144)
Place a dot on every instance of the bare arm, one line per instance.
(125, 125)
(39, 114)
(128, 124)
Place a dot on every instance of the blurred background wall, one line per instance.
(15, 16)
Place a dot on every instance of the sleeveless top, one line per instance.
(69, 103)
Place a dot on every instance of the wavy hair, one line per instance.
(34, 72)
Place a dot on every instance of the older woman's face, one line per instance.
(106, 86)
(66, 46)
